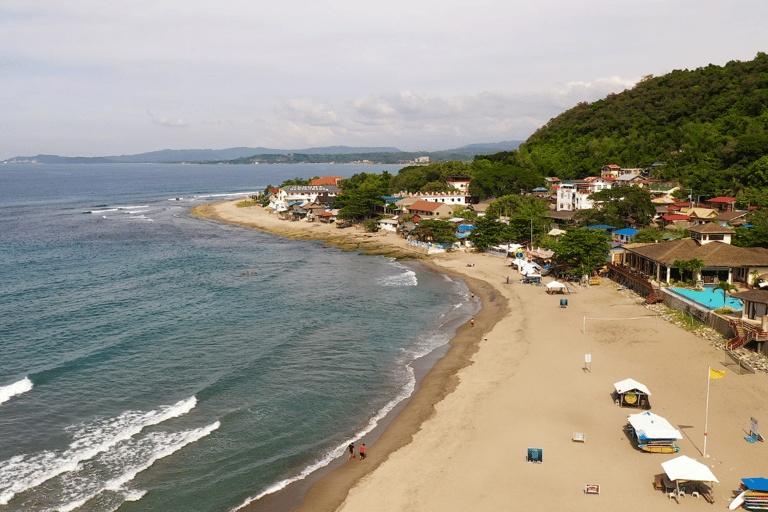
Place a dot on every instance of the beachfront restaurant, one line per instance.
(631, 393)
(722, 261)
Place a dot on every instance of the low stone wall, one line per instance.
(702, 314)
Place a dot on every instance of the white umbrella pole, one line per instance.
(706, 415)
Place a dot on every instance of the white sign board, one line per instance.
(588, 358)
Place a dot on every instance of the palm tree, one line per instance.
(726, 287)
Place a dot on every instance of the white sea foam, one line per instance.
(136, 207)
(127, 460)
(105, 210)
(339, 450)
(406, 278)
(24, 472)
(230, 194)
(17, 388)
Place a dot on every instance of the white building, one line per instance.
(303, 194)
(574, 195)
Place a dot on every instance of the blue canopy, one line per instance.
(756, 484)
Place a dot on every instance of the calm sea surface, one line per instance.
(145, 367)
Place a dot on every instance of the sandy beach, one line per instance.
(517, 379)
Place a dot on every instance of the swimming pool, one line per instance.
(710, 298)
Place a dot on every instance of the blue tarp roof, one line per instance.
(626, 231)
(756, 484)
(604, 227)
(466, 227)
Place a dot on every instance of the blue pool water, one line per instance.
(710, 297)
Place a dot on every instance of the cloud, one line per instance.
(164, 121)
(409, 119)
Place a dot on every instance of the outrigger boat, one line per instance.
(659, 448)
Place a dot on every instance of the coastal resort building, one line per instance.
(308, 193)
(388, 224)
(459, 182)
(731, 218)
(709, 243)
(625, 235)
(562, 219)
(752, 327)
(574, 195)
(429, 210)
(326, 180)
(722, 204)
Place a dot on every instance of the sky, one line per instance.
(96, 78)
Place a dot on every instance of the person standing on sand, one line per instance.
(351, 451)
(362, 451)
(472, 321)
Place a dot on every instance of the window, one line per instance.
(716, 237)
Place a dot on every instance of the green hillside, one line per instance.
(709, 126)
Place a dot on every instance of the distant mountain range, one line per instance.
(224, 155)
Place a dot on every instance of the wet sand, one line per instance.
(517, 379)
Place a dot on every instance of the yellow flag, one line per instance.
(716, 374)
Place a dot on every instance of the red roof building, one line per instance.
(326, 180)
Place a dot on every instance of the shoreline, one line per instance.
(326, 488)
(525, 384)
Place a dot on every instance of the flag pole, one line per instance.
(706, 414)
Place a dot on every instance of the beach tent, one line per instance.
(518, 262)
(556, 287)
(649, 427)
(684, 469)
(632, 393)
(530, 268)
(556, 232)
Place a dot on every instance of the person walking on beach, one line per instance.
(362, 451)
(351, 451)
(472, 321)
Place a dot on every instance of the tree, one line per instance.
(694, 266)
(582, 248)
(500, 179)
(489, 231)
(726, 287)
(757, 234)
(648, 236)
(623, 205)
(435, 231)
(464, 213)
(527, 215)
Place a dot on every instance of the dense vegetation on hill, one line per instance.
(709, 126)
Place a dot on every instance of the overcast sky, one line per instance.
(94, 78)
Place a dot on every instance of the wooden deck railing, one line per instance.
(630, 279)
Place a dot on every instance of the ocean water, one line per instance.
(152, 361)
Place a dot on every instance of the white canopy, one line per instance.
(555, 284)
(508, 248)
(628, 385)
(556, 232)
(652, 426)
(685, 468)
(530, 268)
(518, 262)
